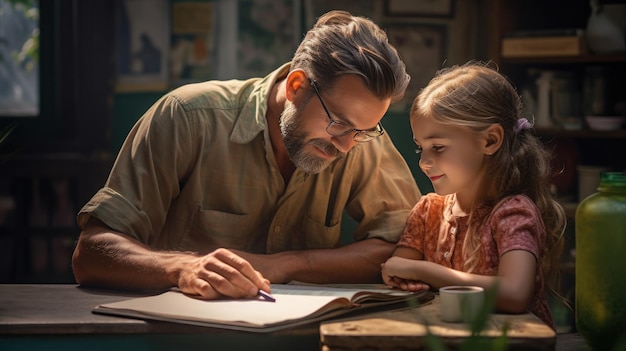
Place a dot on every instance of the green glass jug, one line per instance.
(601, 264)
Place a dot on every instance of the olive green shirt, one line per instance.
(197, 172)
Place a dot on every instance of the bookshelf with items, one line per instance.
(53, 161)
(566, 73)
(39, 199)
(566, 82)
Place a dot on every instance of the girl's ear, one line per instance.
(493, 137)
(296, 79)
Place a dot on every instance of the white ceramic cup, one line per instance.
(460, 303)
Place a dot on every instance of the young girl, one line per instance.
(493, 219)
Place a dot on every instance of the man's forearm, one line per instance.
(113, 261)
(358, 262)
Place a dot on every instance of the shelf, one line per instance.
(45, 191)
(583, 133)
(583, 59)
(44, 232)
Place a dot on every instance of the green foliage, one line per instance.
(5, 131)
(4, 134)
(28, 55)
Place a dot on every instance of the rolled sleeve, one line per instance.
(117, 212)
(146, 175)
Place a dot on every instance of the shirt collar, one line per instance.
(252, 119)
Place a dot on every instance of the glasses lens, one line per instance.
(367, 135)
(362, 137)
(336, 128)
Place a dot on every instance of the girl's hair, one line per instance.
(476, 96)
(340, 43)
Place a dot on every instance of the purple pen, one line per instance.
(266, 296)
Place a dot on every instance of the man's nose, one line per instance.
(344, 143)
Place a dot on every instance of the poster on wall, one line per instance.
(192, 42)
(142, 40)
(268, 34)
(315, 8)
(422, 47)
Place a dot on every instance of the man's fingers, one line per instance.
(222, 273)
(245, 268)
(231, 275)
(202, 288)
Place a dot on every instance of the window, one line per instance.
(19, 58)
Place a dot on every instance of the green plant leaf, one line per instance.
(6, 130)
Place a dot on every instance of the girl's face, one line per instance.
(451, 156)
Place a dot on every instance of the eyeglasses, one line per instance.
(339, 128)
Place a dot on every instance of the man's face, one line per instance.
(295, 137)
(303, 123)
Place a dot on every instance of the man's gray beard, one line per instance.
(293, 137)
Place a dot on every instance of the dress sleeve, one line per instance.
(423, 222)
(517, 225)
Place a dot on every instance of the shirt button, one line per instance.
(446, 254)
(277, 229)
(453, 230)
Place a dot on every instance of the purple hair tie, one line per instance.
(522, 124)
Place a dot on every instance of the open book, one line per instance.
(296, 304)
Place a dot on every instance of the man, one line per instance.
(224, 187)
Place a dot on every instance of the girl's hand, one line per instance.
(388, 278)
(398, 269)
(391, 275)
(414, 285)
(408, 285)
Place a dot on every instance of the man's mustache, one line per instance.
(327, 147)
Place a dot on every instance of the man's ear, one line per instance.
(493, 138)
(296, 80)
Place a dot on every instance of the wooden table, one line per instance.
(406, 330)
(58, 317)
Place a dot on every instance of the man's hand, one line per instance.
(107, 258)
(221, 273)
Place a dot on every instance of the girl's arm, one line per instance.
(401, 283)
(515, 278)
